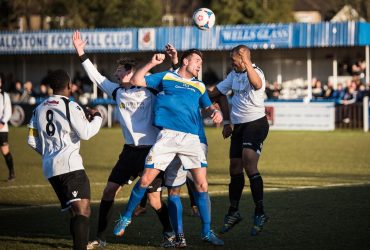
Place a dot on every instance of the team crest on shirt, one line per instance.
(74, 193)
(122, 105)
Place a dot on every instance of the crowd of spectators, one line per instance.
(352, 90)
(26, 92)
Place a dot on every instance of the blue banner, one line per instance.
(61, 41)
(261, 36)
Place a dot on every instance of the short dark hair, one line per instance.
(239, 47)
(190, 52)
(127, 63)
(58, 80)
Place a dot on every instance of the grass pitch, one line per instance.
(317, 195)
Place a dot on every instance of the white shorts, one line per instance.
(172, 143)
(176, 174)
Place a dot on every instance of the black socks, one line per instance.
(105, 212)
(79, 227)
(164, 218)
(236, 186)
(256, 184)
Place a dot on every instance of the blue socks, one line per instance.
(175, 213)
(204, 205)
(137, 194)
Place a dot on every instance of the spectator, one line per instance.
(43, 92)
(276, 89)
(317, 90)
(362, 67)
(16, 91)
(27, 93)
(76, 92)
(84, 83)
(329, 90)
(338, 93)
(361, 93)
(349, 98)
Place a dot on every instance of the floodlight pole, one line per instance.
(309, 75)
(335, 70)
(279, 78)
(367, 73)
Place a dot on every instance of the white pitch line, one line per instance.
(274, 189)
(43, 186)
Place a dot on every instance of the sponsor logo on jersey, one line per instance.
(53, 102)
(74, 193)
(132, 105)
(184, 87)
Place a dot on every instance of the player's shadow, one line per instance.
(35, 242)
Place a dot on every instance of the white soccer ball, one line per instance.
(204, 18)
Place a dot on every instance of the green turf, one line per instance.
(315, 217)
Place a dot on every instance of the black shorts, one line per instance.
(130, 165)
(3, 139)
(71, 187)
(248, 135)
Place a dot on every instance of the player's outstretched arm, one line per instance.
(138, 79)
(94, 75)
(172, 53)
(78, 43)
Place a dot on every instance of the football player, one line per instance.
(55, 130)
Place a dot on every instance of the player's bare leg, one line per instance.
(79, 224)
(191, 189)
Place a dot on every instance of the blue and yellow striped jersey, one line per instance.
(178, 103)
